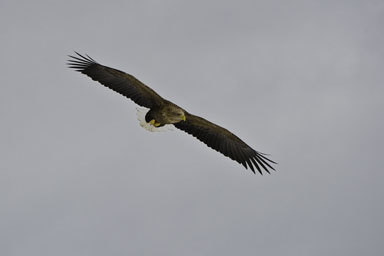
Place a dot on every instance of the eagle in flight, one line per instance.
(163, 113)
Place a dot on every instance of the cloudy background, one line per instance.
(301, 80)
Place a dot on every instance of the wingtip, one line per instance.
(80, 62)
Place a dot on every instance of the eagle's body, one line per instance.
(166, 113)
(141, 113)
(163, 113)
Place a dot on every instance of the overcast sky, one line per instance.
(299, 80)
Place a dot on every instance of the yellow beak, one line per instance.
(183, 117)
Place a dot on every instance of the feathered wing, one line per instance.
(116, 80)
(225, 142)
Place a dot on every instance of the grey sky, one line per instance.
(301, 80)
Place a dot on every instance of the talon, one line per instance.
(153, 122)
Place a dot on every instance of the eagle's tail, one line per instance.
(141, 112)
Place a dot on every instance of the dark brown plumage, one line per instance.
(164, 112)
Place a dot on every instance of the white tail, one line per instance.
(141, 112)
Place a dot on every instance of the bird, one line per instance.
(163, 113)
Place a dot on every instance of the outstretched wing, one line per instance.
(225, 142)
(116, 80)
